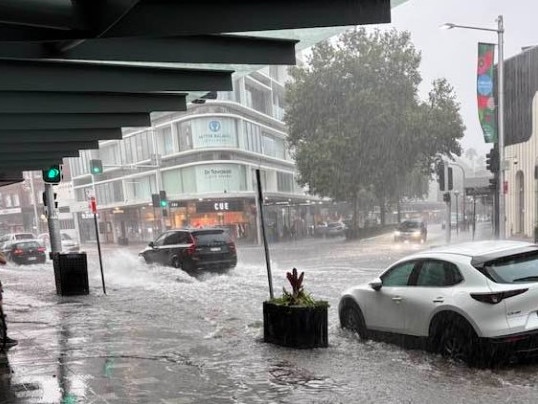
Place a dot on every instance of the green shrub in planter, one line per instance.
(296, 319)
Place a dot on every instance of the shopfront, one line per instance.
(236, 214)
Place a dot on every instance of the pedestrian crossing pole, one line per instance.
(93, 208)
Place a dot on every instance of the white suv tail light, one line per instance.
(496, 297)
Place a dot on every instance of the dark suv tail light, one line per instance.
(496, 297)
(192, 248)
(231, 246)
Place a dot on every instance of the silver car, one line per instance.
(472, 302)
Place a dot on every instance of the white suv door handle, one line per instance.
(397, 298)
(439, 299)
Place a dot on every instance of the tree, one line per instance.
(355, 120)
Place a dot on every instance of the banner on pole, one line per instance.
(485, 95)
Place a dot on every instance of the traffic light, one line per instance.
(163, 201)
(46, 208)
(492, 160)
(96, 167)
(446, 197)
(492, 184)
(53, 174)
(450, 180)
(155, 200)
(441, 175)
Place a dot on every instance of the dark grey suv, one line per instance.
(192, 249)
(411, 230)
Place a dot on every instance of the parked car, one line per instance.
(411, 230)
(335, 229)
(68, 244)
(193, 249)
(470, 302)
(26, 251)
(16, 236)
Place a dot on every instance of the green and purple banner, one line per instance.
(485, 96)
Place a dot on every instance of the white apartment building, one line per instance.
(205, 160)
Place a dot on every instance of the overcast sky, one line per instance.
(453, 53)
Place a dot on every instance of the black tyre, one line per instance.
(147, 260)
(176, 262)
(459, 342)
(351, 318)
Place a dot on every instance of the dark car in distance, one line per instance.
(411, 230)
(335, 229)
(193, 249)
(24, 252)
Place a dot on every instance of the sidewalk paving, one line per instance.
(107, 349)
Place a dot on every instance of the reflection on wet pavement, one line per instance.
(161, 336)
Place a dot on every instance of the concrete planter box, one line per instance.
(296, 326)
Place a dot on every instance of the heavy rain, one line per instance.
(337, 203)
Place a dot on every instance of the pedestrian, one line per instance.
(7, 341)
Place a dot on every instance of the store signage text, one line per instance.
(219, 206)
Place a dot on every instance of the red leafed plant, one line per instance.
(297, 296)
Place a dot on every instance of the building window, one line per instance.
(140, 188)
(172, 182)
(165, 140)
(253, 137)
(110, 154)
(284, 182)
(109, 193)
(184, 133)
(256, 99)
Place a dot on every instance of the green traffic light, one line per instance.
(53, 173)
(164, 204)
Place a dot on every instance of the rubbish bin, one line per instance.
(71, 273)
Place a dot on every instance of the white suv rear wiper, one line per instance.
(527, 278)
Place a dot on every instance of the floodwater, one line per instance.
(161, 336)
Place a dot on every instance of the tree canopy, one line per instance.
(356, 122)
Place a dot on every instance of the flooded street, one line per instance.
(161, 336)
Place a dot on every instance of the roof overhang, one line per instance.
(75, 72)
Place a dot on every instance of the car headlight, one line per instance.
(397, 233)
(416, 233)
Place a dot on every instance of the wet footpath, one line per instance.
(161, 336)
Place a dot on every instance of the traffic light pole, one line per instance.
(52, 221)
(448, 221)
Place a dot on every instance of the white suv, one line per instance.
(469, 301)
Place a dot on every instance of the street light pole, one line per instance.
(500, 87)
(500, 104)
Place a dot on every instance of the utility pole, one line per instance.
(53, 222)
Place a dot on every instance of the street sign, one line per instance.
(93, 205)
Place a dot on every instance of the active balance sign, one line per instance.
(485, 96)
